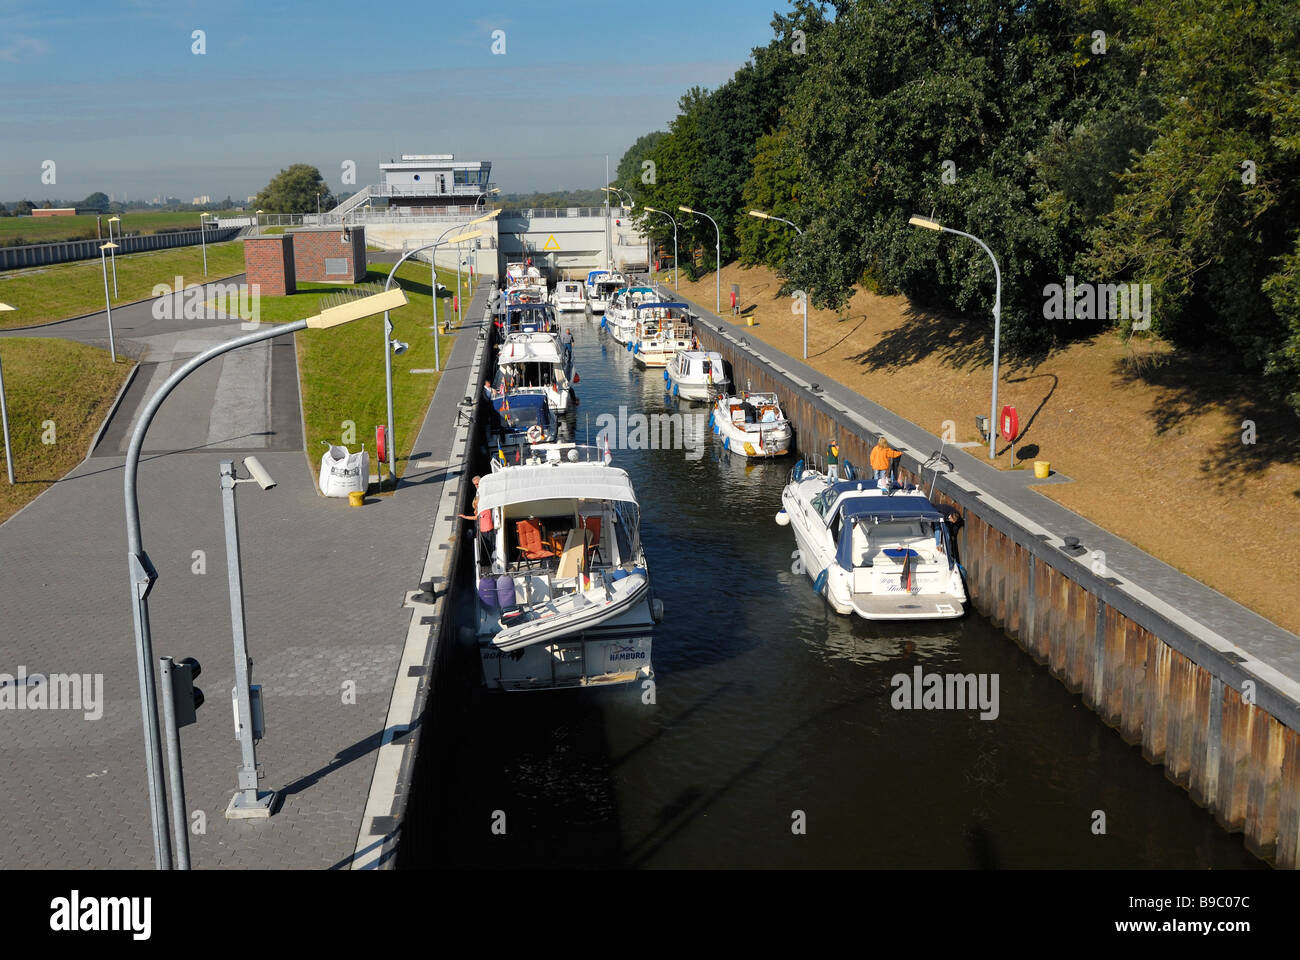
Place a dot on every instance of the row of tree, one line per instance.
(1145, 141)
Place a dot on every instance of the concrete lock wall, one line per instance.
(1164, 690)
(42, 254)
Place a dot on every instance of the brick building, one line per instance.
(311, 255)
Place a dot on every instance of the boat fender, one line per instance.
(849, 472)
(797, 473)
(535, 434)
(819, 584)
(782, 518)
(676, 389)
(726, 443)
(657, 610)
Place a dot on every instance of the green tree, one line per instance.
(294, 190)
(1207, 214)
(96, 201)
(24, 208)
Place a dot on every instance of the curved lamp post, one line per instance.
(142, 572)
(108, 304)
(388, 324)
(674, 220)
(717, 273)
(112, 253)
(203, 237)
(931, 224)
(767, 216)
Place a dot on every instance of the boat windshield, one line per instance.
(521, 412)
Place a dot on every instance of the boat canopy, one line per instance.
(673, 304)
(896, 507)
(571, 481)
(521, 411)
(593, 274)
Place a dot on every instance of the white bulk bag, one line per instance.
(342, 473)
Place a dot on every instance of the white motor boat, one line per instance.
(569, 295)
(696, 375)
(883, 555)
(752, 425)
(620, 313)
(601, 287)
(536, 363)
(524, 275)
(659, 331)
(564, 596)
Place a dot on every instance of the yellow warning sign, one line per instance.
(551, 243)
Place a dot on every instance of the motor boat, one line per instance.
(563, 594)
(519, 421)
(539, 363)
(620, 314)
(872, 549)
(569, 295)
(659, 330)
(530, 317)
(519, 275)
(752, 425)
(601, 287)
(696, 375)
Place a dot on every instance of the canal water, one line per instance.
(772, 741)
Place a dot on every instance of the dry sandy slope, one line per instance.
(1153, 442)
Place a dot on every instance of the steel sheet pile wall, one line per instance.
(1165, 691)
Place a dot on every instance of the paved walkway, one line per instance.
(324, 591)
(1270, 652)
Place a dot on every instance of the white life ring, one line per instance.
(535, 434)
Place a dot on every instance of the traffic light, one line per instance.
(186, 697)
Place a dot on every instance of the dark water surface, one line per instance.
(768, 703)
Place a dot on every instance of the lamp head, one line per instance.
(760, 214)
(685, 209)
(929, 223)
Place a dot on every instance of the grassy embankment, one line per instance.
(20, 230)
(62, 290)
(58, 393)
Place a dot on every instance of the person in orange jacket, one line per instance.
(881, 454)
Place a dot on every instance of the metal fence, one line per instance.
(43, 254)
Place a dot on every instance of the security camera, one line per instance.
(399, 348)
(258, 473)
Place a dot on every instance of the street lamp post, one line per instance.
(203, 238)
(141, 570)
(674, 220)
(258, 225)
(931, 224)
(767, 216)
(717, 273)
(112, 253)
(4, 415)
(108, 304)
(388, 325)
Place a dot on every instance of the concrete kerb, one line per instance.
(1276, 693)
(386, 803)
(112, 410)
(95, 313)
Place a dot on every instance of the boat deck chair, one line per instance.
(531, 545)
(592, 526)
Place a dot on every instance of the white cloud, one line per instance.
(21, 47)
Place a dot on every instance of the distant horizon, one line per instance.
(168, 121)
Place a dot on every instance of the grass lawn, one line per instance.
(42, 294)
(341, 370)
(68, 383)
(20, 230)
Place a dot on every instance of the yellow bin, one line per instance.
(356, 498)
(1042, 469)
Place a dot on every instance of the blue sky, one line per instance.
(114, 95)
